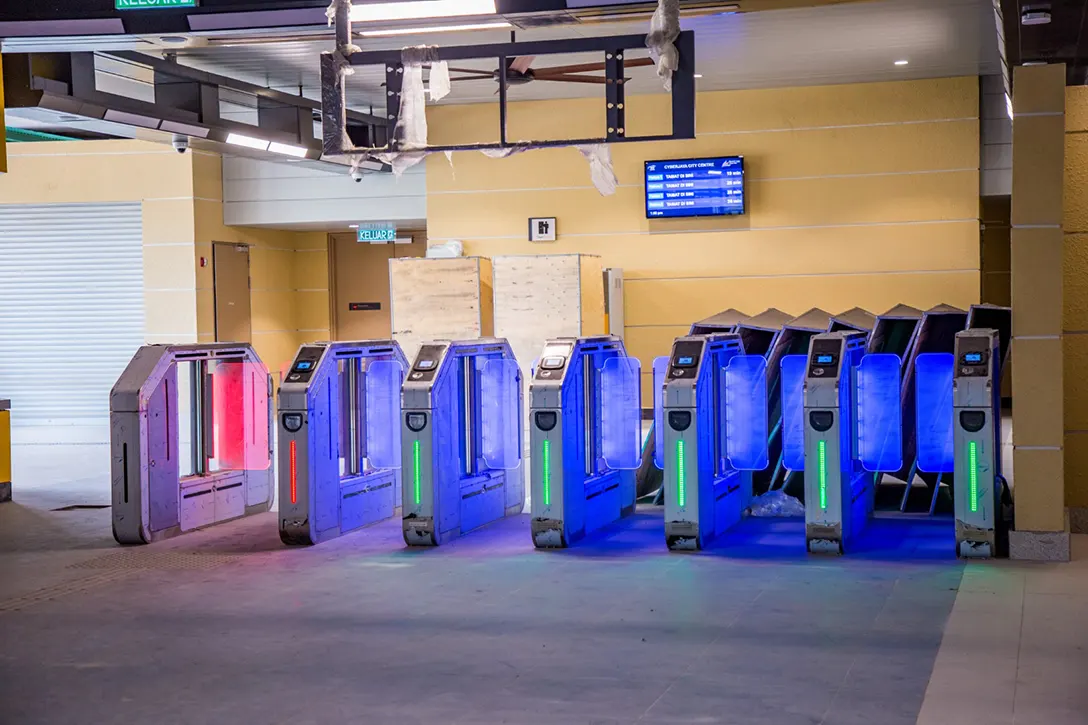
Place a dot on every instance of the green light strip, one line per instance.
(417, 473)
(681, 475)
(972, 474)
(546, 472)
(821, 470)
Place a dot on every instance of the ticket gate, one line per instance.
(585, 436)
(714, 415)
(959, 431)
(461, 433)
(843, 426)
(339, 439)
(190, 440)
(724, 321)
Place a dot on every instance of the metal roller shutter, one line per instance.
(71, 308)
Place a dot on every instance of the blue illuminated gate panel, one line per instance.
(934, 417)
(500, 429)
(746, 412)
(661, 366)
(383, 381)
(621, 413)
(879, 412)
(793, 411)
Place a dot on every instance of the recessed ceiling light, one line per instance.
(353, 226)
(698, 75)
(902, 62)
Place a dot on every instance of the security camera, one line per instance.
(180, 143)
(357, 174)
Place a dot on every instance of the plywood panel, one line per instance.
(1039, 484)
(695, 299)
(536, 298)
(435, 299)
(1038, 144)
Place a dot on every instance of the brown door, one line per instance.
(230, 264)
(360, 283)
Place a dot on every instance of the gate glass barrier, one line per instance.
(935, 420)
(621, 423)
(745, 413)
(500, 409)
(793, 411)
(661, 366)
(383, 382)
(879, 413)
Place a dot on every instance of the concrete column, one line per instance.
(1038, 162)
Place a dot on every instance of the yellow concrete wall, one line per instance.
(182, 203)
(863, 194)
(1075, 301)
(289, 278)
(57, 172)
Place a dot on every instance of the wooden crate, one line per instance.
(439, 299)
(542, 296)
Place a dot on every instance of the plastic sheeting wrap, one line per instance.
(776, 504)
(661, 368)
(621, 413)
(746, 412)
(600, 167)
(383, 382)
(879, 413)
(664, 30)
(793, 411)
(933, 373)
(500, 413)
(445, 250)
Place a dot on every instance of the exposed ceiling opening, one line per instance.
(1048, 31)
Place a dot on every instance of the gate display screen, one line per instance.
(695, 187)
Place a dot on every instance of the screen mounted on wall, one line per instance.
(695, 187)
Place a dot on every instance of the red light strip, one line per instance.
(294, 476)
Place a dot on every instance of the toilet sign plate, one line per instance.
(542, 229)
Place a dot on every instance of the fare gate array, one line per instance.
(585, 436)
(339, 439)
(190, 440)
(461, 438)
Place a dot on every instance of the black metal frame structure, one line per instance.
(186, 99)
(612, 48)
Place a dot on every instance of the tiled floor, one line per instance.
(228, 626)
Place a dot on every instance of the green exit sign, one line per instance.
(153, 4)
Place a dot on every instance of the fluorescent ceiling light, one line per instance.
(432, 29)
(698, 75)
(283, 148)
(419, 9)
(902, 62)
(248, 141)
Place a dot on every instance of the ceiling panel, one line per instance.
(844, 43)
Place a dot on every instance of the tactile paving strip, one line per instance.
(137, 559)
(114, 567)
(58, 591)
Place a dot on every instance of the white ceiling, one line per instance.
(844, 43)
